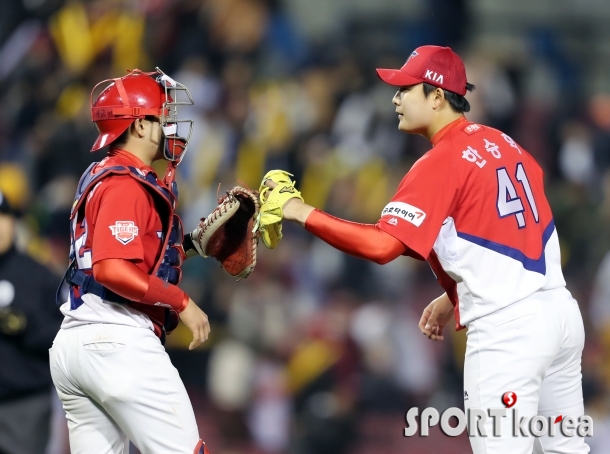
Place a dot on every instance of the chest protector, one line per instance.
(167, 265)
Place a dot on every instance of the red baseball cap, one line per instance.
(435, 65)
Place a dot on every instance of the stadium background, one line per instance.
(317, 352)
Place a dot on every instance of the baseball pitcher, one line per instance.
(474, 207)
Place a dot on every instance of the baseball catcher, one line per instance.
(112, 374)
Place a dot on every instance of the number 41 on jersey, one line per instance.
(509, 203)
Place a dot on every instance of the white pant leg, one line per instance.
(91, 429)
(561, 392)
(509, 350)
(127, 371)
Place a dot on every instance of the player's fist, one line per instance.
(195, 320)
(280, 200)
(435, 317)
(277, 191)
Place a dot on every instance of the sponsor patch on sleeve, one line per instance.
(124, 231)
(472, 128)
(401, 210)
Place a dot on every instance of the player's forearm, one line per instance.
(365, 241)
(129, 281)
(297, 211)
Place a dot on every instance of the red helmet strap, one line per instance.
(118, 83)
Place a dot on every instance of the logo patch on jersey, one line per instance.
(472, 128)
(124, 231)
(405, 211)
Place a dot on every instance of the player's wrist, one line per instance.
(297, 211)
(314, 218)
(185, 302)
(188, 245)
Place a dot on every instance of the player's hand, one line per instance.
(195, 320)
(435, 317)
(294, 209)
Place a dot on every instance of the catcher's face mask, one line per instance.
(177, 132)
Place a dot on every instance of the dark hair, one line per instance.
(457, 102)
(122, 139)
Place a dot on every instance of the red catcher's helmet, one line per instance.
(137, 95)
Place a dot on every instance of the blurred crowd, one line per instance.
(316, 352)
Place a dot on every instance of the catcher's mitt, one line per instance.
(269, 221)
(227, 234)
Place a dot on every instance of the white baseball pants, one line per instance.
(532, 348)
(116, 384)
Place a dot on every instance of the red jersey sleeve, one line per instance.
(121, 209)
(425, 198)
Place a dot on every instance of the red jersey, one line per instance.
(121, 221)
(474, 207)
